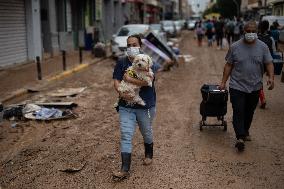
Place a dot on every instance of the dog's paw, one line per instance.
(142, 103)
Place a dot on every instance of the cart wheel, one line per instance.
(225, 125)
(200, 125)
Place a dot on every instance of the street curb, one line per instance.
(67, 72)
(21, 92)
(17, 93)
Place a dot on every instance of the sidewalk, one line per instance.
(14, 78)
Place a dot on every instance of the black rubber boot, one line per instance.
(126, 161)
(125, 167)
(148, 154)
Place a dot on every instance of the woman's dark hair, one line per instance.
(263, 26)
(137, 36)
(272, 27)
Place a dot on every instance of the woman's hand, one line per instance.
(126, 77)
(134, 81)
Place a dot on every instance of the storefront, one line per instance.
(13, 32)
(152, 11)
(278, 8)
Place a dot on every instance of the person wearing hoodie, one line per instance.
(134, 114)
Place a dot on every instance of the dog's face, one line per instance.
(142, 62)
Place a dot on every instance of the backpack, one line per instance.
(275, 34)
(230, 27)
(219, 26)
(237, 28)
(199, 31)
(209, 26)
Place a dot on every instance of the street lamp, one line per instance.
(237, 4)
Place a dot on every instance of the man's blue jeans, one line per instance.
(129, 118)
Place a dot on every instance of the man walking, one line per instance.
(219, 31)
(263, 35)
(246, 60)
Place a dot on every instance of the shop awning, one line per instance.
(152, 2)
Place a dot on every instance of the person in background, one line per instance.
(219, 32)
(274, 32)
(200, 33)
(245, 62)
(213, 21)
(238, 29)
(276, 24)
(269, 41)
(131, 115)
(209, 32)
(229, 31)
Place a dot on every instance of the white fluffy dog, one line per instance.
(140, 69)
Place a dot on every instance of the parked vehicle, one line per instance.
(281, 35)
(158, 30)
(178, 26)
(280, 20)
(191, 24)
(119, 43)
(169, 27)
(271, 19)
(183, 24)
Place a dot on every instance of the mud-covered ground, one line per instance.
(34, 153)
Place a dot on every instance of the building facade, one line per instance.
(277, 7)
(255, 9)
(184, 9)
(31, 28)
(43, 28)
(20, 36)
(170, 9)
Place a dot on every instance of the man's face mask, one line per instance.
(133, 51)
(250, 37)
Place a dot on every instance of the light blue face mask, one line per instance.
(132, 51)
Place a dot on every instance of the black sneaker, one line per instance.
(247, 138)
(240, 144)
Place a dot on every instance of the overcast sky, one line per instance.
(194, 3)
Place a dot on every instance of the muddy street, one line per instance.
(33, 154)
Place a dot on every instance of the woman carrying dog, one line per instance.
(131, 115)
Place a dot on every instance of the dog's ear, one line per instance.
(150, 62)
(136, 58)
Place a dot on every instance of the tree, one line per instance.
(227, 8)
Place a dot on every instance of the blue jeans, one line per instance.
(128, 120)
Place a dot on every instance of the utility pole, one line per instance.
(265, 3)
(237, 4)
(144, 12)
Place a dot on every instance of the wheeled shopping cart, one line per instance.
(214, 104)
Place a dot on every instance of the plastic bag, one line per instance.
(225, 43)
